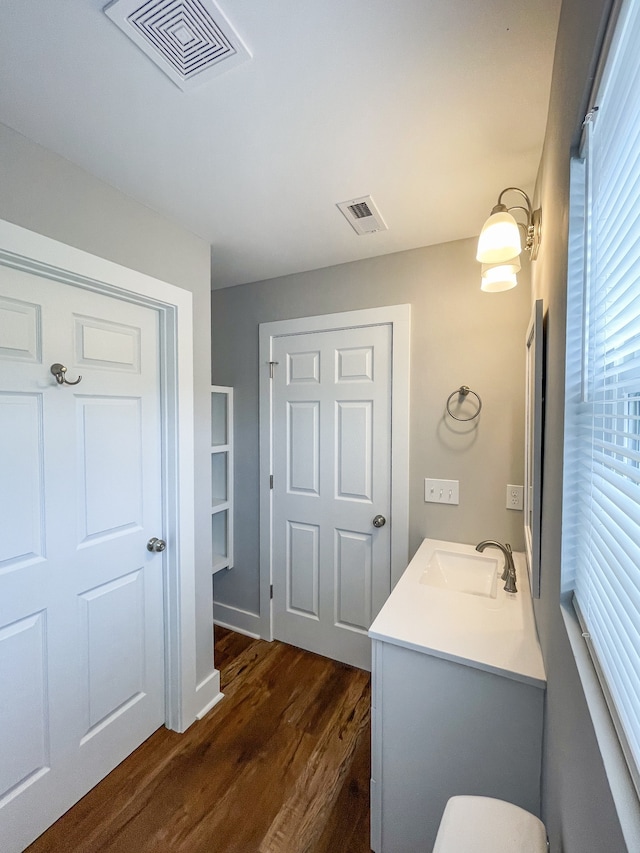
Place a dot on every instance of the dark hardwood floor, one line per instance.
(281, 765)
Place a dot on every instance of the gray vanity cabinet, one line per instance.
(441, 728)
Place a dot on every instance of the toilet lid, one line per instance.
(487, 825)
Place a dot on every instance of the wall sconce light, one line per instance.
(500, 246)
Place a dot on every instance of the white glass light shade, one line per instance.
(497, 277)
(499, 239)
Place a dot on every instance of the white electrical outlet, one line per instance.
(442, 491)
(515, 497)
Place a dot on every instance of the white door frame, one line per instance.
(399, 318)
(33, 253)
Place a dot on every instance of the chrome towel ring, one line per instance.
(464, 391)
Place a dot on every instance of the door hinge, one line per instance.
(272, 364)
(271, 591)
(270, 481)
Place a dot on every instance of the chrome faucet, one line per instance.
(509, 571)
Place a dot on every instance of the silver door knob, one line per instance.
(155, 544)
(379, 521)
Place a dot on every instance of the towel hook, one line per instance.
(59, 371)
(464, 391)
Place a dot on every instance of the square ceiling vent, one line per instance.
(190, 40)
(362, 215)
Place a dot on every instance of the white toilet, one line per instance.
(486, 825)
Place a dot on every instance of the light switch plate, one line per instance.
(442, 491)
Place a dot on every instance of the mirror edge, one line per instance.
(534, 411)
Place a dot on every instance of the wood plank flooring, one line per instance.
(281, 765)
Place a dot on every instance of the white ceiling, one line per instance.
(430, 106)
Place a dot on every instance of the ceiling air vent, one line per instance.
(190, 40)
(362, 214)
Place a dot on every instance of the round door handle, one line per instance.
(379, 521)
(155, 544)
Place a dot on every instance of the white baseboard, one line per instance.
(238, 620)
(237, 630)
(208, 694)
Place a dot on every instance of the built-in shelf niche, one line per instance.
(220, 540)
(221, 477)
(219, 480)
(220, 402)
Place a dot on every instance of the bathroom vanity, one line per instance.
(458, 693)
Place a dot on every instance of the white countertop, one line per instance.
(494, 634)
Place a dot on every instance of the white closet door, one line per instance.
(332, 474)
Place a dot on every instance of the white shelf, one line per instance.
(220, 480)
(221, 477)
(221, 402)
(220, 562)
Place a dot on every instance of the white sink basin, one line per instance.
(451, 603)
(472, 574)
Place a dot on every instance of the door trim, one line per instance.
(399, 318)
(34, 253)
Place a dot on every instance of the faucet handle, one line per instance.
(509, 574)
(509, 568)
(510, 585)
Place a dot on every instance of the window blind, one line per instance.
(601, 525)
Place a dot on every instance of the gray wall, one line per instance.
(49, 195)
(460, 336)
(577, 804)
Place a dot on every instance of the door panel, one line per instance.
(303, 569)
(108, 345)
(303, 468)
(22, 492)
(108, 685)
(354, 364)
(303, 368)
(23, 670)
(354, 461)
(353, 562)
(20, 331)
(81, 599)
(109, 434)
(331, 464)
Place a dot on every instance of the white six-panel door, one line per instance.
(331, 422)
(81, 598)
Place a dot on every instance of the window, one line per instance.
(601, 522)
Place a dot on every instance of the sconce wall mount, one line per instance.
(500, 244)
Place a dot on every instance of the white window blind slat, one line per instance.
(601, 514)
(615, 647)
(621, 577)
(618, 193)
(617, 303)
(618, 95)
(616, 660)
(603, 465)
